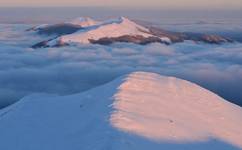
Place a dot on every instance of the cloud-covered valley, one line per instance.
(73, 69)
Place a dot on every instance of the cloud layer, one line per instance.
(68, 70)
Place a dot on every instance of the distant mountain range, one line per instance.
(85, 30)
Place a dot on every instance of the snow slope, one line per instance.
(135, 112)
(112, 28)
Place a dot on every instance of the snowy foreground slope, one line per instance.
(139, 111)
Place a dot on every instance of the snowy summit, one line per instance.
(85, 30)
(113, 30)
(83, 22)
(107, 32)
(139, 111)
(109, 29)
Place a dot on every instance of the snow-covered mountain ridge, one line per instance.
(139, 111)
(111, 29)
(86, 31)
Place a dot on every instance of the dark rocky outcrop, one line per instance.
(44, 44)
(206, 38)
(197, 37)
(215, 39)
(128, 39)
(173, 36)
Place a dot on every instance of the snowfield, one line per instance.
(112, 28)
(139, 111)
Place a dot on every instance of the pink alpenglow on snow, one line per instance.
(171, 109)
(140, 111)
(112, 28)
(84, 22)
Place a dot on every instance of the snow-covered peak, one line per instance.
(85, 30)
(119, 20)
(139, 111)
(119, 29)
(112, 28)
(78, 22)
(128, 23)
(84, 22)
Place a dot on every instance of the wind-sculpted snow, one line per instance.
(140, 111)
(170, 109)
(68, 70)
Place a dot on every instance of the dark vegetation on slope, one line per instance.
(129, 39)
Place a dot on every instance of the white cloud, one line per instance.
(157, 49)
(69, 70)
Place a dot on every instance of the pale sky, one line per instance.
(174, 4)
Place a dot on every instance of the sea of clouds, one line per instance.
(68, 70)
